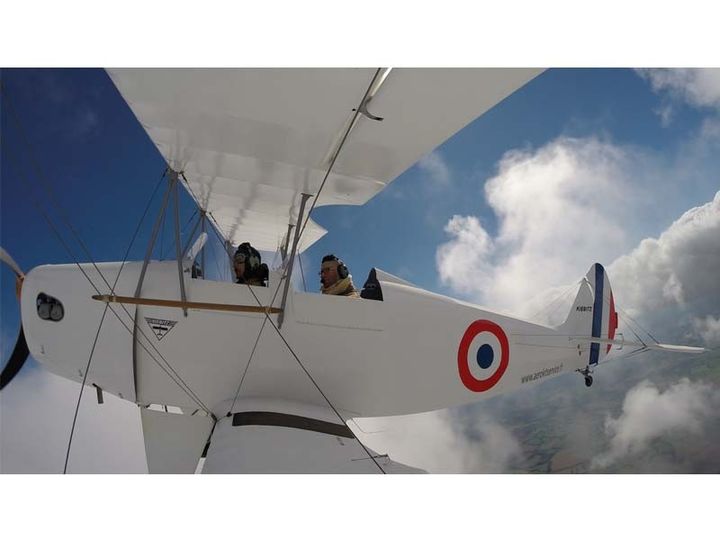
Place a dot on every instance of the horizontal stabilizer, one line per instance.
(652, 346)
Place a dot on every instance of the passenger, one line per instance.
(249, 268)
(335, 278)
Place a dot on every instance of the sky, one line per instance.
(616, 166)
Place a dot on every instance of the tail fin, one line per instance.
(593, 312)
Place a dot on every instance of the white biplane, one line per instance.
(265, 379)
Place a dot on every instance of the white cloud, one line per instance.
(676, 273)
(698, 87)
(709, 329)
(559, 209)
(649, 413)
(577, 201)
(435, 168)
(434, 442)
(666, 113)
(464, 262)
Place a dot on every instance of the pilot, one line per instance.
(248, 265)
(335, 278)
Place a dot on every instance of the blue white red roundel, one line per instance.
(483, 355)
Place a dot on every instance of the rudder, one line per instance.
(593, 312)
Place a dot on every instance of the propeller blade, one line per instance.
(7, 259)
(17, 359)
(20, 352)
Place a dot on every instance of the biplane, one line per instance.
(266, 379)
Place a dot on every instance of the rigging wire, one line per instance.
(175, 377)
(102, 319)
(82, 387)
(181, 382)
(162, 236)
(137, 230)
(182, 231)
(315, 199)
(292, 352)
(217, 264)
(53, 199)
(339, 148)
(627, 315)
(262, 327)
(56, 232)
(562, 295)
(247, 366)
(48, 188)
(301, 272)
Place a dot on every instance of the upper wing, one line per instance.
(250, 141)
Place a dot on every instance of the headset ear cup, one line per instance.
(342, 271)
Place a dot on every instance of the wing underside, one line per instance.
(251, 141)
(257, 441)
(271, 442)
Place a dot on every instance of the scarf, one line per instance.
(342, 287)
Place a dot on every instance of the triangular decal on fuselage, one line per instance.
(160, 327)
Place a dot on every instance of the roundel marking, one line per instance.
(486, 357)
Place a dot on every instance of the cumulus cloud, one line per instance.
(436, 442)
(698, 87)
(709, 329)
(464, 262)
(559, 209)
(649, 413)
(672, 279)
(666, 112)
(576, 201)
(435, 169)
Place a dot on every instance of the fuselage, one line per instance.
(413, 351)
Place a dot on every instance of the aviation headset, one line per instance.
(249, 255)
(342, 270)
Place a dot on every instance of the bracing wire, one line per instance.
(162, 237)
(302, 274)
(82, 387)
(317, 386)
(247, 366)
(215, 260)
(292, 352)
(552, 304)
(176, 377)
(69, 225)
(262, 327)
(337, 151)
(69, 251)
(53, 199)
(102, 319)
(315, 199)
(626, 315)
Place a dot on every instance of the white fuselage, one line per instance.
(401, 355)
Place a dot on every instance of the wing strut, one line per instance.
(153, 237)
(288, 274)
